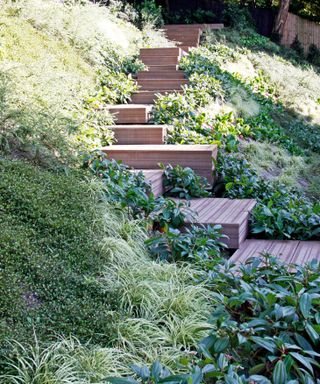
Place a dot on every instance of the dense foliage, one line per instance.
(265, 328)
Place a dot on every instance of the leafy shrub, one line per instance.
(189, 16)
(149, 14)
(297, 46)
(168, 213)
(237, 17)
(199, 244)
(121, 185)
(280, 212)
(184, 183)
(266, 322)
(265, 328)
(314, 55)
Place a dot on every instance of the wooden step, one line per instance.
(147, 75)
(288, 251)
(139, 134)
(165, 68)
(161, 84)
(149, 97)
(185, 48)
(161, 60)
(198, 157)
(202, 26)
(130, 114)
(155, 178)
(176, 35)
(232, 214)
(147, 52)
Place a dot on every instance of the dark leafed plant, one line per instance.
(121, 185)
(156, 374)
(266, 323)
(184, 183)
(280, 212)
(197, 244)
(168, 213)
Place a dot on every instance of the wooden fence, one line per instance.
(308, 32)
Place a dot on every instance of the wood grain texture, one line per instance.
(288, 251)
(130, 114)
(232, 214)
(133, 134)
(198, 157)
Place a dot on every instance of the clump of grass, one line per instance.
(274, 163)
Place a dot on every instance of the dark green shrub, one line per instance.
(184, 183)
(297, 46)
(121, 185)
(266, 323)
(280, 212)
(314, 55)
(168, 213)
(198, 244)
(149, 14)
(237, 17)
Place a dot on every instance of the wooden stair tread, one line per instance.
(164, 67)
(148, 75)
(194, 26)
(128, 106)
(151, 95)
(160, 60)
(161, 84)
(172, 51)
(164, 148)
(137, 134)
(288, 251)
(231, 214)
(130, 113)
(198, 157)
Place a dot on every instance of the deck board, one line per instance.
(197, 157)
(288, 251)
(232, 214)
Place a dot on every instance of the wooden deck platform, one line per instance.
(130, 114)
(288, 251)
(155, 178)
(133, 134)
(198, 157)
(232, 214)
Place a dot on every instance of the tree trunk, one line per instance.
(281, 18)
